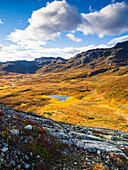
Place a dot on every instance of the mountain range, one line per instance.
(98, 60)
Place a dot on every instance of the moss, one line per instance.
(39, 149)
(35, 130)
(26, 132)
(25, 123)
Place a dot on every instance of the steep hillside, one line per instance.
(116, 56)
(96, 60)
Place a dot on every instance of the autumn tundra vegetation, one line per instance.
(96, 82)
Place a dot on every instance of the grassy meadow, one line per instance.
(95, 101)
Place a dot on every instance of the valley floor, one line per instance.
(96, 101)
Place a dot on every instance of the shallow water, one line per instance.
(60, 98)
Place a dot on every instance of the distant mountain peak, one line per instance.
(24, 66)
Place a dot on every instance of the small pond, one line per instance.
(60, 98)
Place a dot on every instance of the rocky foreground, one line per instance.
(29, 141)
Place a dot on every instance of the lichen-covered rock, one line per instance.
(34, 142)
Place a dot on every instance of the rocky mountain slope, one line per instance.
(25, 67)
(117, 55)
(98, 60)
(30, 141)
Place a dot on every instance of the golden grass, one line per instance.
(97, 101)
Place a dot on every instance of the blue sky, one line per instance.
(34, 28)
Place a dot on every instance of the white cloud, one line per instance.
(25, 39)
(1, 22)
(90, 8)
(47, 23)
(111, 20)
(58, 16)
(72, 37)
(10, 49)
(119, 39)
(113, 1)
(13, 52)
